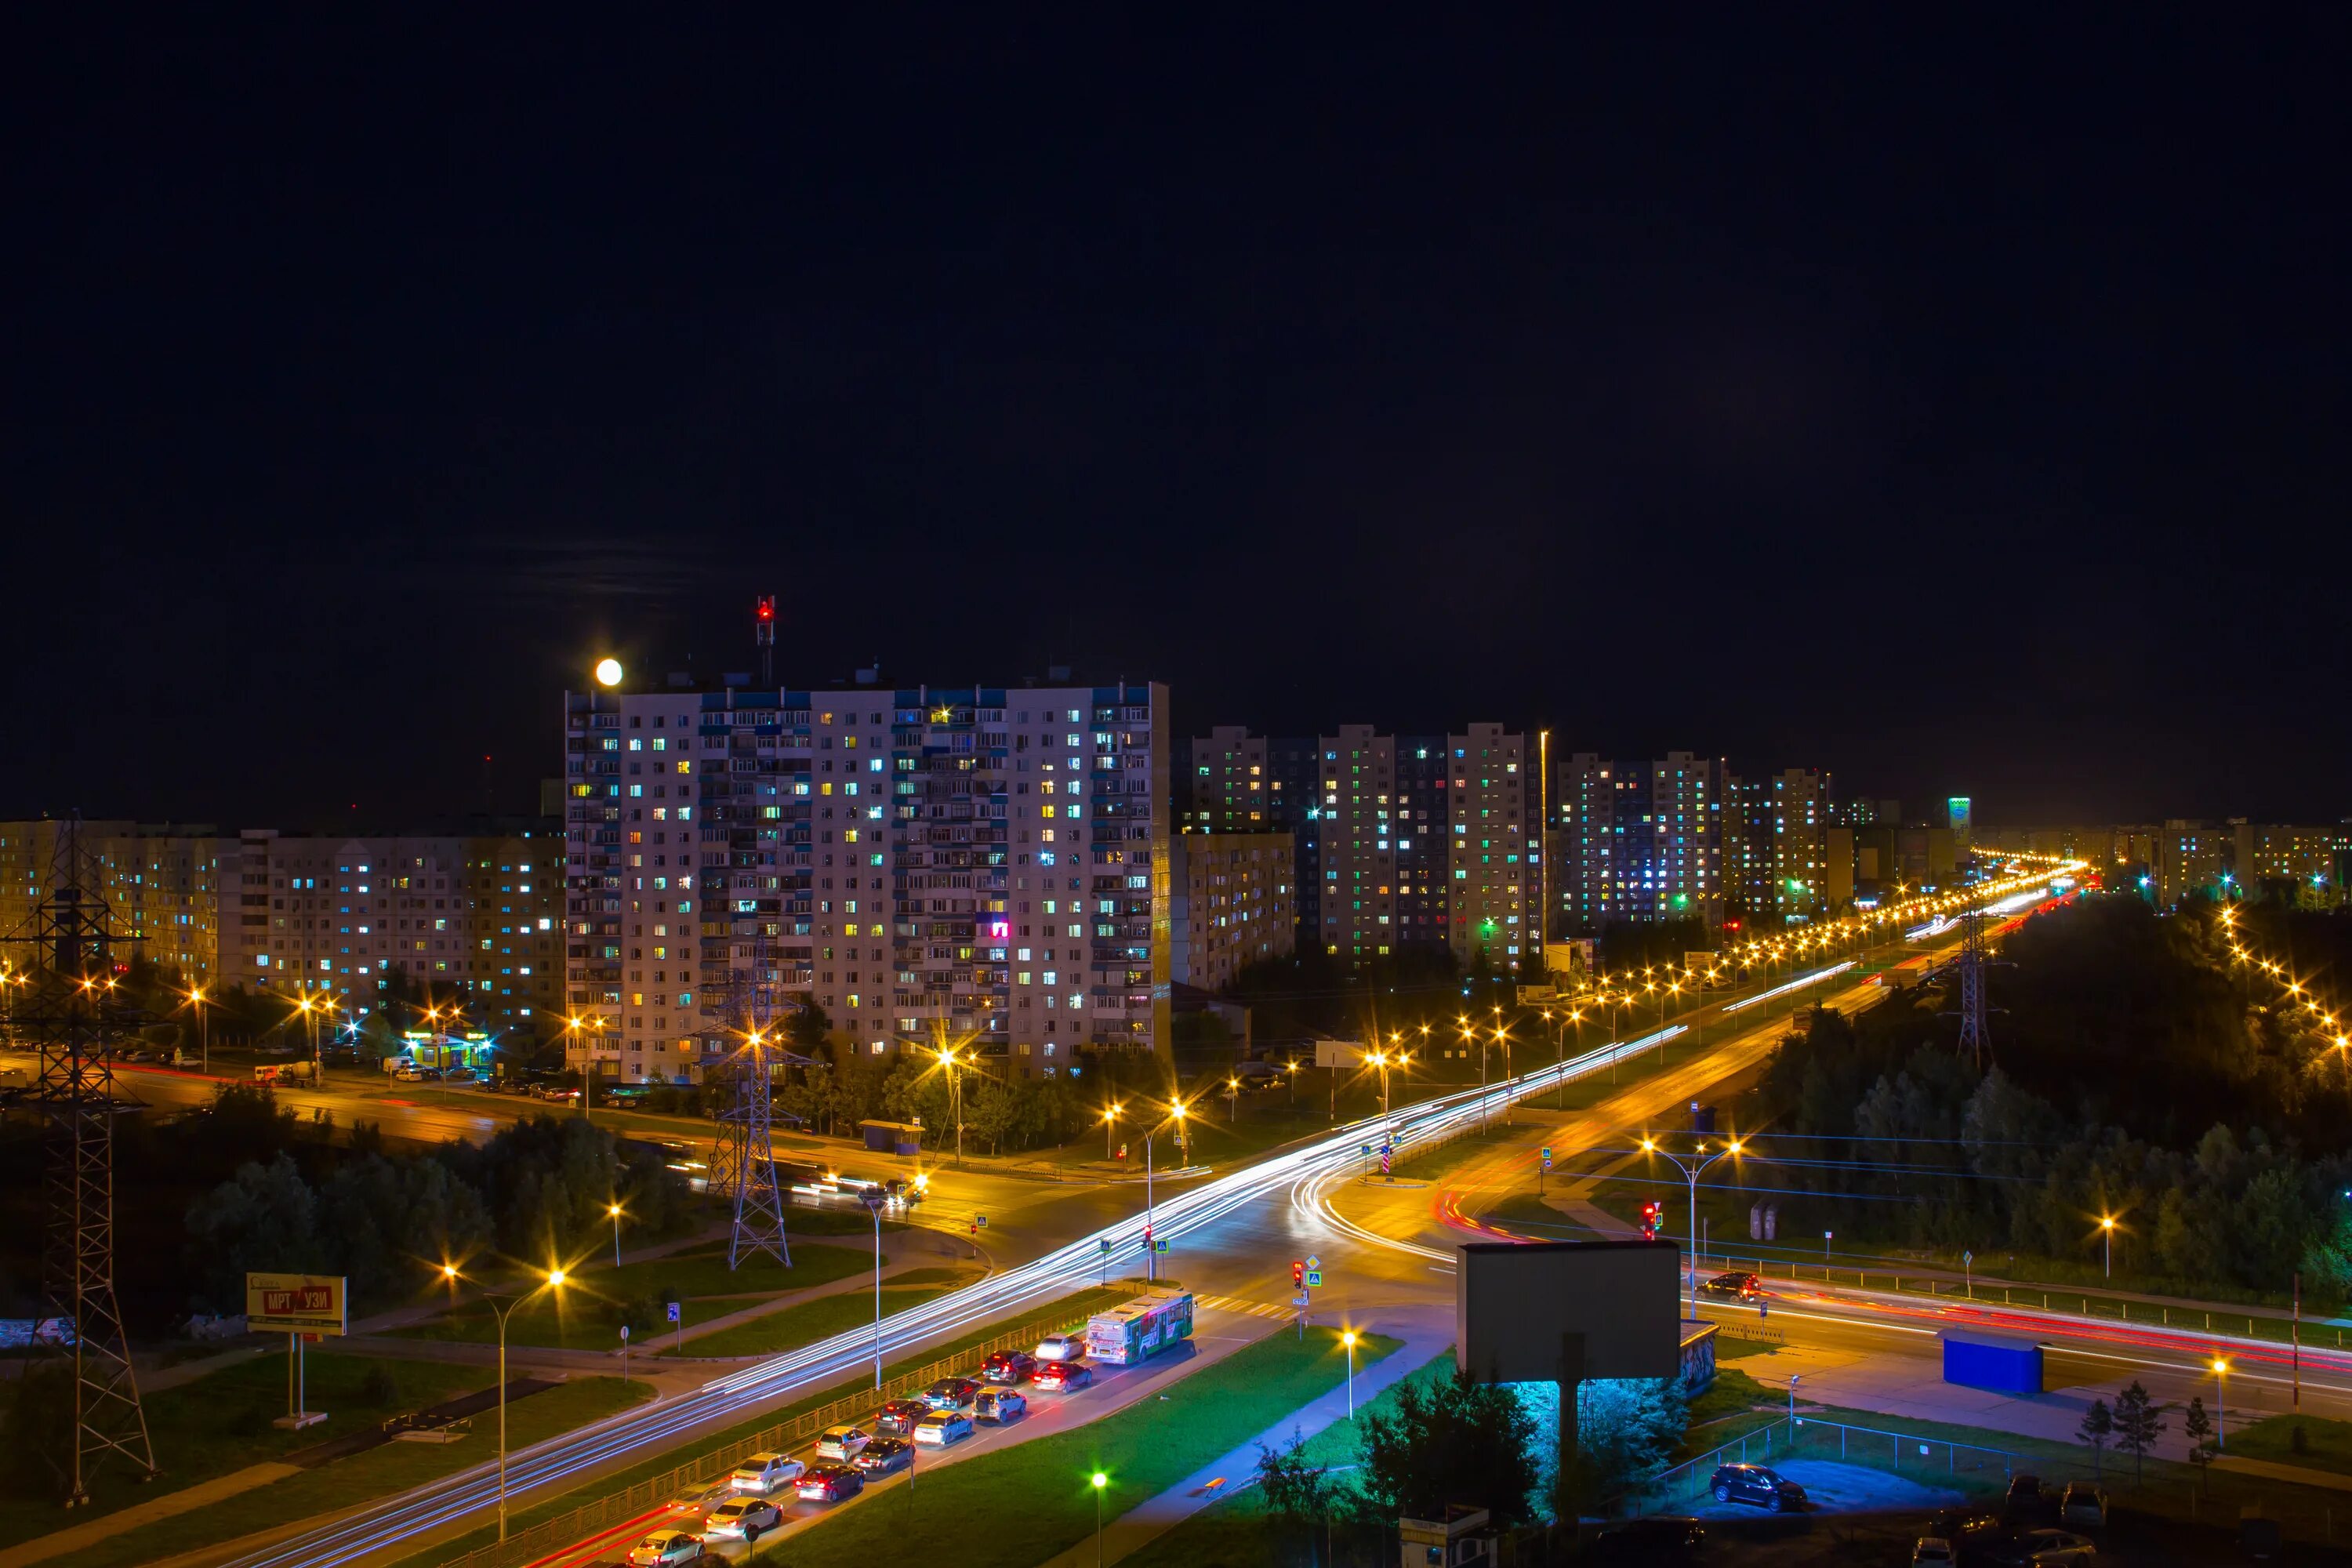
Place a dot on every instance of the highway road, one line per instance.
(1233, 1233)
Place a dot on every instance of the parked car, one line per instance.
(885, 1456)
(1008, 1366)
(766, 1472)
(897, 1418)
(1662, 1538)
(1934, 1551)
(742, 1519)
(831, 1483)
(999, 1405)
(1061, 1376)
(941, 1427)
(664, 1547)
(556, 1091)
(1973, 1533)
(2043, 1549)
(950, 1393)
(2024, 1499)
(461, 1075)
(695, 1501)
(1738, 1287)
(1757, 1484)
(842, 1442)
(2083, 1506)
(1061, 1347)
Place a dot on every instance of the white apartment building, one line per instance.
(981, 864)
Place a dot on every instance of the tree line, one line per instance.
(2134, 1078)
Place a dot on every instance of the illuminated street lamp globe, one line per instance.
(608, 672)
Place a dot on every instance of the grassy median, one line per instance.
(378, 1472)
(1017, 1507)
(220, 1423)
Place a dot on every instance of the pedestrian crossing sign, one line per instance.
(1315, 1279)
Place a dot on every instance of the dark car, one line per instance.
(1662, 1538)
(885, 1456)
(951, 1394)
(1757, 1484)
(830, 1483)
(1061, 1376)
(2024, 1499)
(1736, 1287)
(1977, 1536)
(1008, 1366)
(897, 1418)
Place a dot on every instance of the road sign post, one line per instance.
(678, 1319)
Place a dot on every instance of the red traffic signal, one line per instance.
(1298, 1272)
(1652, 1214)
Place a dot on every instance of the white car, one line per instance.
(2054, 1548)
(665, 1547)
(1933, 1551)
(842, 1442)
(1060, 1347)
(766, 1472)
(742, 1519)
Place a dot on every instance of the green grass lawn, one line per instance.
(220, 1423)
(1015, 1507)
(588, 1317)
(1069, 1310)
(820, 1319)
(378, 1472)
(2327, 1444)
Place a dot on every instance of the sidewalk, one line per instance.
(1230, 1473)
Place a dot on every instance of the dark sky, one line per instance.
(1962, 409)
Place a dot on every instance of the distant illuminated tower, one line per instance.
(763, 634)
(1957, 811)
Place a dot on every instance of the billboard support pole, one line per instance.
(1572, 1376)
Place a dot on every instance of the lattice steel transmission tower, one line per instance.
(743, 1153)
(70, 1013)
(1974, 964)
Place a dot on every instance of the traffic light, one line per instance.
(1298, 1273)
(1653, 1215)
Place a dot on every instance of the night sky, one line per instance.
(1963, 411)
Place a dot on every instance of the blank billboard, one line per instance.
(1515, 1304)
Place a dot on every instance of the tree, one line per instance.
(2197, 1427)
(1297, 1494)
(1453, 1441)
(1625, 1430)
(263, 1219)
(2139, 1423)
(2098, 1426)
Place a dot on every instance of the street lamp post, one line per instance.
(204, 1026)
(2107, 1234)
(1691, 1173)
(1348, 1339)
(554, 1282)
(1110, 1115)
(1100, 1481)
(874, 1207)
(2222, 1400)
(614, 1210)
(1503, 1039)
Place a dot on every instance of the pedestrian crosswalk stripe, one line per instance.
(1254, 1309)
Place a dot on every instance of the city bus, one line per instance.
(1138, 1330)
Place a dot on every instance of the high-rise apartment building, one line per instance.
(982, 865)
(1640, 841)
(162, 882)
(1404, 842)
(1236, 904)
(473, 914)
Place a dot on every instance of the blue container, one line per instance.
(1992, 1361)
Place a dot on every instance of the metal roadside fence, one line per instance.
(528, 1545)
(1802, 1437)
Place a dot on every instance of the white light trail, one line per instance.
(1798, 983)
